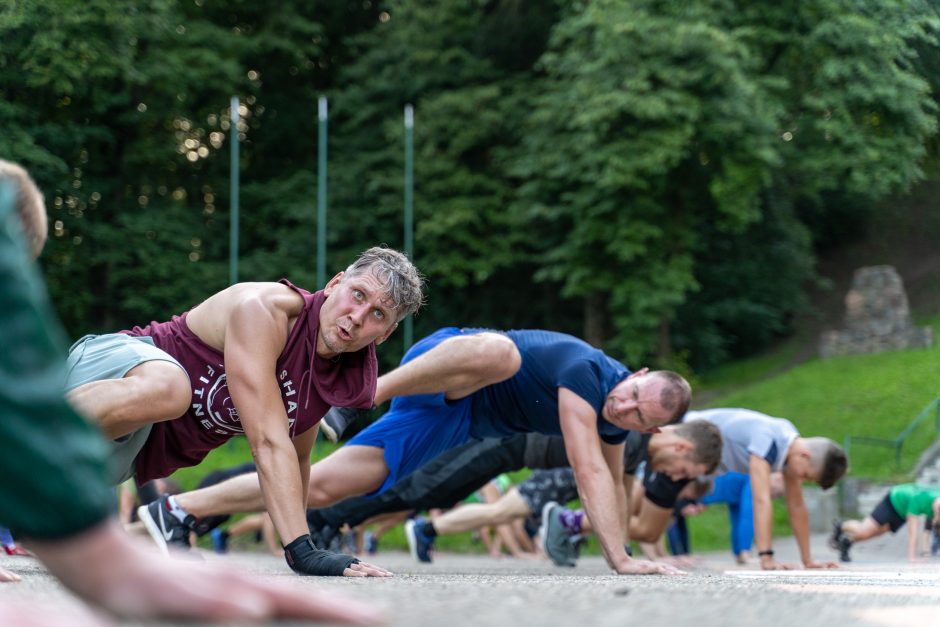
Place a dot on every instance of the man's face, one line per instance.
(634, 404)
(676, 462)
(356, 313)
(800, 466)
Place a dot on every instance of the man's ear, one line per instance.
(386, 335)
(638, 373)
(684, 446)
(332, 283)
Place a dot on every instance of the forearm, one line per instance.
(91, 563)
(622, 512)
(763, 525)
(598, 495)
(913, 528)
(281, 486)
(799, 524)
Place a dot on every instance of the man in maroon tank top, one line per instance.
(266, 360)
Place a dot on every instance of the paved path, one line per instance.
(878, 588)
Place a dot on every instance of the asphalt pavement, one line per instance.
(879, 587)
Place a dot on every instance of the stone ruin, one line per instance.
(877, 317)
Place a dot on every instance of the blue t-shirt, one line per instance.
(528, 401)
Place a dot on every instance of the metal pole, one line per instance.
(409, 205)
(233, 196)
(321, 193)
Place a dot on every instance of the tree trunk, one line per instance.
(663, 343)
(595, 319)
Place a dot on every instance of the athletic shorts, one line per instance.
(112, 356)
(418, 428)
(542, 486)
(885, 514)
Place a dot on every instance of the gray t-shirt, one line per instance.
(747, 433)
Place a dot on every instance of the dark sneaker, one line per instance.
(219, 539)
(421, 545)
(165, 529)
(557, 541)
(338, 419)
(325, 537)
(839, 541)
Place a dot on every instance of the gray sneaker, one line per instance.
(166, 530)
(557, 541)
(338, 419)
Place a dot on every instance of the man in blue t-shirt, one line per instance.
(459, 384)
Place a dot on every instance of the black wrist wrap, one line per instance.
(306, 559)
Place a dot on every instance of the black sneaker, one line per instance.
(338, 419)
(165, 528)
(839, 541)
(325, 537)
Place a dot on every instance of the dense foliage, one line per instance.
(654, 176)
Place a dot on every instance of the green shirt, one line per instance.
(913, 499)
(53, 464)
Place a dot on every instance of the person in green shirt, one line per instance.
(54, 491)
(904, 503)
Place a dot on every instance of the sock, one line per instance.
(571, 520)
(429, 530)
(178, 512)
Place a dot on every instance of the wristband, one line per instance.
(767, 553)
(305, 558)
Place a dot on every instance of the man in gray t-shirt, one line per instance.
(759, 445)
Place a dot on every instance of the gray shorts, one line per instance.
(557, 485)
(112, 356)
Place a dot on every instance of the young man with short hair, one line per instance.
(758, 444)
(679, 452)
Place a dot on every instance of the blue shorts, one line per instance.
(418, 428)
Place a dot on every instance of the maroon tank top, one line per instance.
(309, 386)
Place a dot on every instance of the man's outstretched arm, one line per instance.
(759, 472)
(596, 484)
(799, 521)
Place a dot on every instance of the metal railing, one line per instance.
(898, 443)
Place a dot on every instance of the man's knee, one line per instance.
(319, 495)
(495, 355)
(166, 387)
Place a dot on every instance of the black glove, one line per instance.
(306, 559)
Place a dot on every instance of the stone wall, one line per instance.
(877, 317)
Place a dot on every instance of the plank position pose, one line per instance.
(460, 384)
(678, 452)
(902, 504)
(263, 359)
(758, 444)
(54, 457)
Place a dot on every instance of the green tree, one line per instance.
(655, 116)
